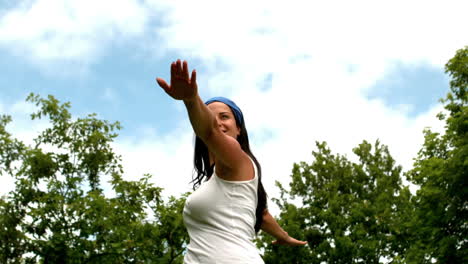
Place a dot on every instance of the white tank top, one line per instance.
(220, 219)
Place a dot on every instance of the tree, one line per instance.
(360, 212)
(58, 212)
(441, 170)
(348, 212)
(13, 242)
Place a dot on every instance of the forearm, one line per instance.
(200, 116)
(272, 227)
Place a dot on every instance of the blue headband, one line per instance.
(234, 108)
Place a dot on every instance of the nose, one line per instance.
(220, 123)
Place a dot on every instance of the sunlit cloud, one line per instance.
(70, 32)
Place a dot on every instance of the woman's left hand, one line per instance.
(289, 241)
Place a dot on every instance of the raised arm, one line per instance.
(272, 227)
(225, 148)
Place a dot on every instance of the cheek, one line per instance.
(234, 125)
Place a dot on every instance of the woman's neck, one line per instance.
(212, 159)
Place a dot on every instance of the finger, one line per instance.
(193, 80)
(300, 243)
(179, 68)
(173, 69)
(185, 72)
(163, 84)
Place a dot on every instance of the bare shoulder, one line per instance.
(244, 172)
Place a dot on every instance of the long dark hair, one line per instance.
(203, 169)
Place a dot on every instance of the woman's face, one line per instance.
(226, 119)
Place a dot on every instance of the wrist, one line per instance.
(284, 235)
(190, 101)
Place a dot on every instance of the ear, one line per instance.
(238, 131)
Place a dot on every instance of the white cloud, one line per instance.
(75, 30)
(264, 33)
(168, 158)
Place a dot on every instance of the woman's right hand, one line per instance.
(182, 87)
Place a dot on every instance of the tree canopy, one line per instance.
(58, 212)
(348, 212)
(440, 223)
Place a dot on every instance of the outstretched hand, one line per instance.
(182, 87)
(289, 241)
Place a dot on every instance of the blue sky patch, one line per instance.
(419, 87)
(121, 87)
(266, 84)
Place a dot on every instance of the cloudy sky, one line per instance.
(301, 71)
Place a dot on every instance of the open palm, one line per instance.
(182, 87)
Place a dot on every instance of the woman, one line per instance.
(224, 213)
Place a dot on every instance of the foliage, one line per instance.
(441, 170)
(349, 212)
(58, 212)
